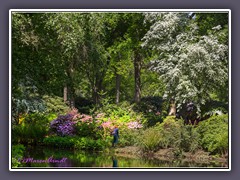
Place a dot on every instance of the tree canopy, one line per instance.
(123, 56)
(192, 65)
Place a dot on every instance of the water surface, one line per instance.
(83, 159)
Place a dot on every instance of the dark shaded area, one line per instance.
(188, 111)
(154, 109)
(83, 105)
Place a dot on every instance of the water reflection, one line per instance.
(67, 163)
(94, 159)
(115, 161)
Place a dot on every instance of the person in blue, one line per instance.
(115, 134)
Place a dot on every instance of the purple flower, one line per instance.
(63, 125)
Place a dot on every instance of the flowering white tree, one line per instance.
(191, 66)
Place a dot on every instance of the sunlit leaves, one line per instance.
(192, 66)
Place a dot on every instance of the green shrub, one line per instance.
(214, 134)
(32, 129)
(170, 132)
(152, 119)
(128, 137)
(75, 142)
(179, 136)
(60, 142)
(87, 143)
(51, 116)
(190, 141)
(55, 104)
(88, 130)
(149, 140)
(121, 113)
(26, 100)
(17, 153)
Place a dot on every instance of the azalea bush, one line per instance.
(134, 125)
(63, 125)
(82, 125)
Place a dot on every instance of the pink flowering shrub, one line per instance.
(134, 125)
(107, 124)
(74, 113)
(100, 115)
(86, 118)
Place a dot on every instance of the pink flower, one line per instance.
(157, 113)
(86, 118)
(134, 125)
(100, 115)
(106, 124)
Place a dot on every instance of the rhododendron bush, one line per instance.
(75, 123)
(66, 124)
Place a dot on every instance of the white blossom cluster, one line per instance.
(191, 66)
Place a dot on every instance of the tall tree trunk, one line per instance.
(95, 94)
(172, 111)
(118, 81)
(65, 93)
(71, 97)
(137, 76)
(71, 86)
(97, 87)
(68, 94)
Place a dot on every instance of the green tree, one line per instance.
(192, 66)
(119, 48)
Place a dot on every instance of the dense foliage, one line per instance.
(172, 133)
(32, 129)
(17, 153)
(214, 134)
(76, 76)
(184, 58)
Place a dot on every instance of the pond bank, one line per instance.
(199, 156)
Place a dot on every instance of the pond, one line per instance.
(53, 158)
